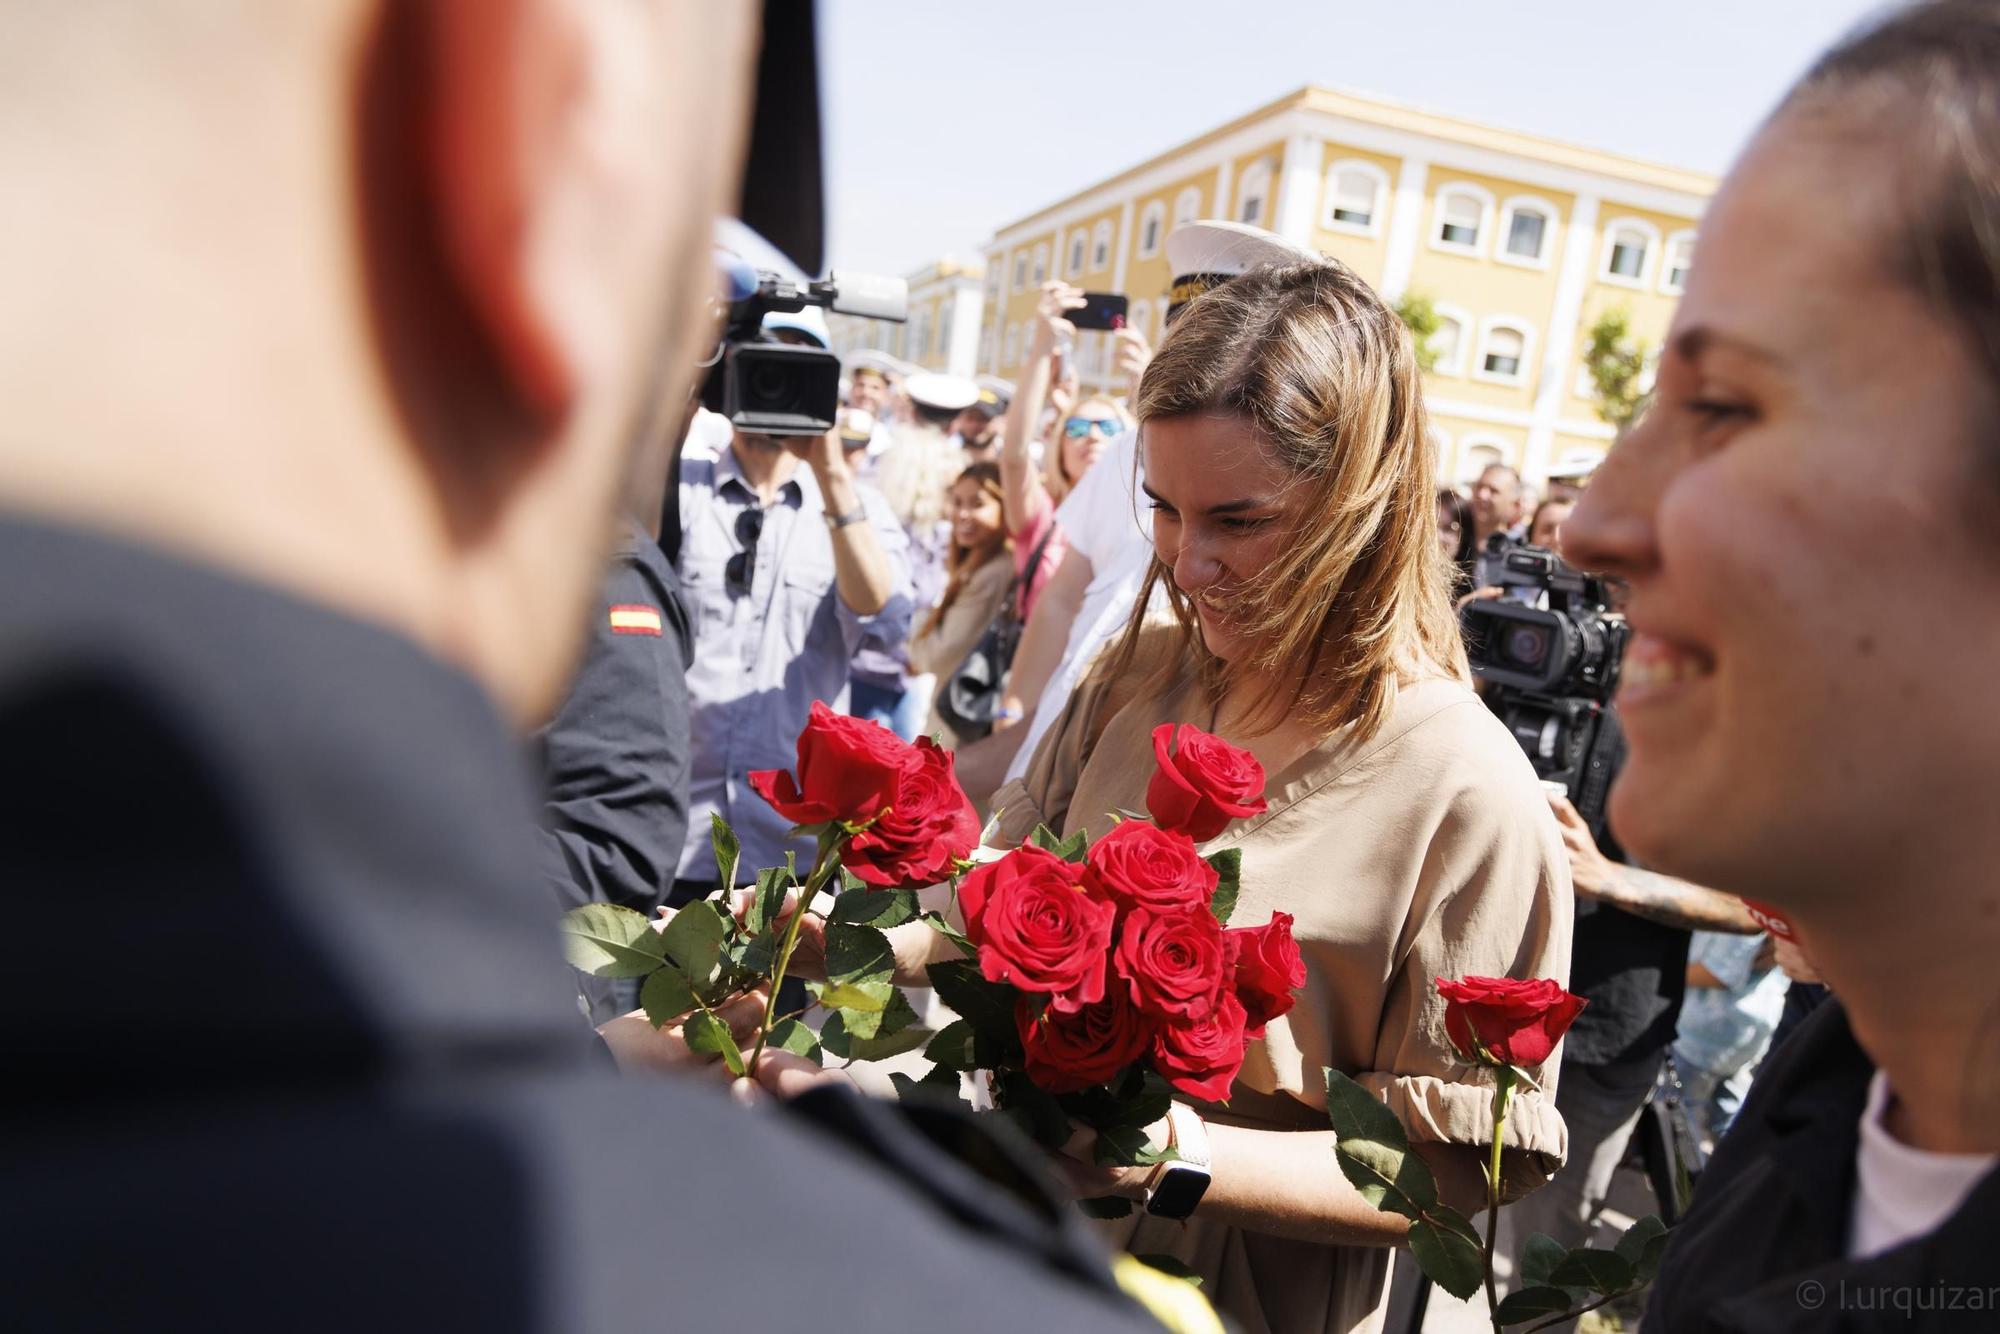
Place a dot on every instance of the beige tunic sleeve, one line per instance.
(941, 649)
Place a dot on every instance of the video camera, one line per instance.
(772, 388)
(1549, 651)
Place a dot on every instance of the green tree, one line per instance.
(1616, 361)
(1416, 311)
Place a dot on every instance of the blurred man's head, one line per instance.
(977, 429)
(1496, 500)
(394, 294)
(868, 388)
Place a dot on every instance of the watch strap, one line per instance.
(853, 516)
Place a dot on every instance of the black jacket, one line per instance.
(1763, 1249)
(290, 1045)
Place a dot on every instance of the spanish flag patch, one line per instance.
(635, 618)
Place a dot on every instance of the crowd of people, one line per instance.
(374, 592)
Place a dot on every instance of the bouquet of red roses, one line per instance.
(1103, 977)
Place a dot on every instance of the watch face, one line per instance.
(1179, 1191)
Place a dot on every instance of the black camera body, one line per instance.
(767, 387)
(1550, 651)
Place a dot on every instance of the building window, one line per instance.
(986, 346)
(1629, 245)
(1354, 194)
(1503, 351)
(1140, 319)
(1253, 194)
(1152, 223)
(1041, 263)
(1448, 343)
(1462, 211)
(1478, 453)
(1187, 205)
(1100, 245)
(1010, 348)
(1077, 242)
(1021, 272)
(1680, 258)
(1526, 227)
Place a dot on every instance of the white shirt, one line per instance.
(1106, 519)
(1899, 1192)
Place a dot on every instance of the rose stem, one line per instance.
(1503, 1093)
(823, 866)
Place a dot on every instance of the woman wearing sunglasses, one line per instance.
(1079, 439)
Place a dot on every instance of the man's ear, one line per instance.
(515, 88)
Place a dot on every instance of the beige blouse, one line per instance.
(943, 648)
(1426, 851)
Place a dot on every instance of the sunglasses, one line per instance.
(742, 567)
(1077, 428)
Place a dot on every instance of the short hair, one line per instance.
(1512, 473)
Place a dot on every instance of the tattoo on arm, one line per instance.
(1676, 903)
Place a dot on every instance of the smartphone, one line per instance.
(1101, 310)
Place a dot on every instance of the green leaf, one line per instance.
(1599, 1271)
(769, 900)
(1452, 1260)
(1373, 1151)
(1168, 1265)
(1127, 1146)
(879, 908)
(1228, 865)
(1105, 1206)
(952, 1046)
(852, 995)
(936, 922)
(694, 940)
(1072, 849)
(987, 1006)
(608, 941)
(1642, 1246)
(893, 1017)
(792, 1036)
(665, 997)
(727, 850)
(1539, 1259)
(937, 1085)
(851, 881)
(1533, 1303)
(705, 1033)
(1036, 1112)
(858, 954)
(840, 1037)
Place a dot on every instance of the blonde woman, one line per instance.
(978, 575)
(1295, 534)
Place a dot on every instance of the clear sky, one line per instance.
(946, 118)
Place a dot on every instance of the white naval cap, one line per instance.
(1207, 254)
(941, 393)
(1573, 464)
(995, 394)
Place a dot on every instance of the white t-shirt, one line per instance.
(1105, 519)
(1900, 1192)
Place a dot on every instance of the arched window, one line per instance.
(1354, 195)
(1077, 242)
(1253, 196)
(1462, 213)
(1448, 343)
(1152, 229)
(1478, 453)
(1187, 205)
(1100, 245)
(1021, 272)
(1503, 350)
(1527, 225)
(1629, 248)
(1041, 263)
(1680, 258)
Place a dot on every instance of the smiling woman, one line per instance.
(1295, 534)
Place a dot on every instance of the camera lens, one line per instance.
(769, 385)
(1528, 645)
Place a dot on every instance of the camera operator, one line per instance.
(1496, 509)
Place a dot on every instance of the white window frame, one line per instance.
(1466, 326)
(1479, 195)
(1155, 216)
(1041, 272)
(1010, 350)
(1187, 205)
(1487, 328)
(1517, 204)
(1100, 245)
(1140, 319)
(1077, 250)
(1256, 183)
(1472, 440)
(1647, 268)
(1021, 271)
(1331, 193)
(1683, 237)
(986, 346)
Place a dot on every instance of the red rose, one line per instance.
(1202, 782)
(1067, 1052)
(1506, 1021)
(1140, 865)
(1265, 969)
(1036, 927)
(1201, 1058)
(849, 771)
(1173, 963)
(929, 825)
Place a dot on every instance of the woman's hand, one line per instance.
(638, 1047)
(1051, 330)
(1086, 1180)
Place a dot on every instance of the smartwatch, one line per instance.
(1180, 1188)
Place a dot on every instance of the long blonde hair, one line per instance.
(1325, 373)
(1055, 473)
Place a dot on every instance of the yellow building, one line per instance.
(1521, 243)
(942, 331)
